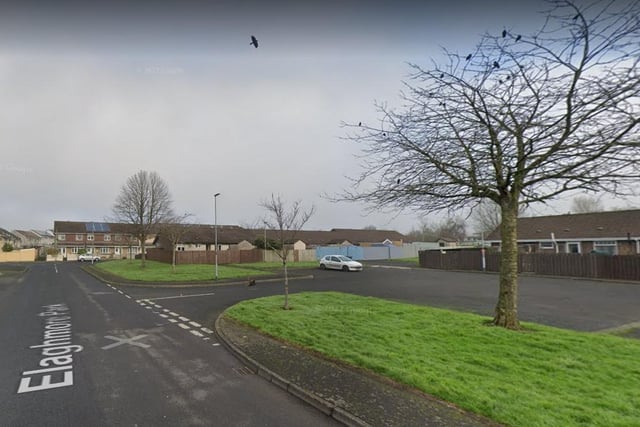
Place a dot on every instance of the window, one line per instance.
(107, 237)
(547, 245)
(607, 247)
(61, 237)
(104, 251)
(118, 237)
(79, 237)
(90, 237)
(74, 250)
(573, 248)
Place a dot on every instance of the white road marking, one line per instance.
(207, 330)
(215, 344)
(148, 307)
(166, 310)
(172, 320)
(391, 267)
(184, 319)
(183, 296)
(163, 315)
(121, 341)
(183, 326)
(174, 314)
(128, 296)
(196, 324)
(196, 333)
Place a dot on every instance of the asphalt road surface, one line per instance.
(76, 351)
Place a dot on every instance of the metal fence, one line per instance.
(594, 266)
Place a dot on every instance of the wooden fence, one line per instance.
(206, 257)
(593, 266)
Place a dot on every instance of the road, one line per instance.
(146, 356)
(76, 352)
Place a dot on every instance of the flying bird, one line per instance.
(468, 57)
(496, 64)
(504, 33)
(254, 41)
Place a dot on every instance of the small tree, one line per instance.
(144, 202)
(287, 222)
(7, 247)
(173, 231)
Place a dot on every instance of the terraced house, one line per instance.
(108, 240)
(609, 233)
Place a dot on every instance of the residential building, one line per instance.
(610, 232)
(8, 237)
(107, 240)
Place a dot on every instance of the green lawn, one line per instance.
(161, 272)
(541, 376)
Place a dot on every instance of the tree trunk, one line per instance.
(286, 285)
(173, 259)
(144, 255)
(506, 313)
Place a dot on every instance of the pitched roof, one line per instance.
(81, 227)
(7, 235)
(594, 225)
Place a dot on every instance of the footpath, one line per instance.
(352, 396)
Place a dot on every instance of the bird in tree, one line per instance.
(504, 33)
(254, 41)
(496, 64)
(468, 57)
(518, 38)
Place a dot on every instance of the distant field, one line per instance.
(541, 376)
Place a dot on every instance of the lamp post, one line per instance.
(215, 226)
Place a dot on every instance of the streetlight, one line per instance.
(215, 221)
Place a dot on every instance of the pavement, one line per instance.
(350, 395)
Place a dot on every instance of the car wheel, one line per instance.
(345, 268)
(323, 267)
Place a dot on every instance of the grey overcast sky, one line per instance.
(90, 94)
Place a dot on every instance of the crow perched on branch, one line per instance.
(496, 64)
(468, 57)
(254, 41)
(504, 33)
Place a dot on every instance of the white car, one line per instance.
(339, 262)
(88, 257)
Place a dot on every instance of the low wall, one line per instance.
(19, 255)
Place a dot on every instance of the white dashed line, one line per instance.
(196, 333)
(166, 310)
(174, 314)
(183, 326)
(163, 315)
(148, 307)
(207, 330)
(184, 319)
(196, 324)
(128, 296)
(172, 320)
(215, 344)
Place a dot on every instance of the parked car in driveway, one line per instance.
(339, 262)
(88, 257)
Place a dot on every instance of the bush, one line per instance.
(7, 247)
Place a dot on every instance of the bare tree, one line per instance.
(486, 216)
(144, 202)
(452, 228)
(287, 222)
(586, 203)
(173, 230)
(518, 120)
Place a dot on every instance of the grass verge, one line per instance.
(161, 272)
(542, 376)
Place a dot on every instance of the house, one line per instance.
(107, 240)
(34, 238)
(611, 232)
(202, 237)
(8, 237)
